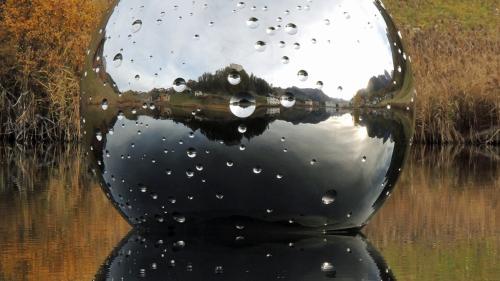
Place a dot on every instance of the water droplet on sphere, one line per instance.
(257, 170)
(191, 152)
(179, 85)
(253, 22)
(179, 245)
(104, 104)
(260, 46)
(117, 60)
(136, 25)
(234, 77)
(291, 29)
(242, 129)
(240, 5)
(179, 218)
(287, 100)
(327, 267)
(329, 197)
(302, 75)
(219, 269)
(271, 30)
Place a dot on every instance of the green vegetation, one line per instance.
(469, 14)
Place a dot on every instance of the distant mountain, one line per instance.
(378, 83)
(312, 94)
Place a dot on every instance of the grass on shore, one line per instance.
(454, 46)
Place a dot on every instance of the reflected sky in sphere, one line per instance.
(342, 43)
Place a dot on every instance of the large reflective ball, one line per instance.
(297, 113)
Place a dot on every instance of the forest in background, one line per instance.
(454, 46)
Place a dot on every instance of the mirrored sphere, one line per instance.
(195, 113)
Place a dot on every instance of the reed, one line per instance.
(455, 56)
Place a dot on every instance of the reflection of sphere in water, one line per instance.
(287, 100)
(215, 112)
(242, 105)
(154, 256)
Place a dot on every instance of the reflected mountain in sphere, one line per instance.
(241, 257)
(191, 123)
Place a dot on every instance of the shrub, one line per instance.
(42, 53)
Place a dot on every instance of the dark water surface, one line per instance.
(441, 222)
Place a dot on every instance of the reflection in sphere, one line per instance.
(221, 110)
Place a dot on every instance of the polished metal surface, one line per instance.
(292, 112)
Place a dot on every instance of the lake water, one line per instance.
(441, 222)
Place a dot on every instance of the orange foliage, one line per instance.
(42, 49)
(50, 33)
